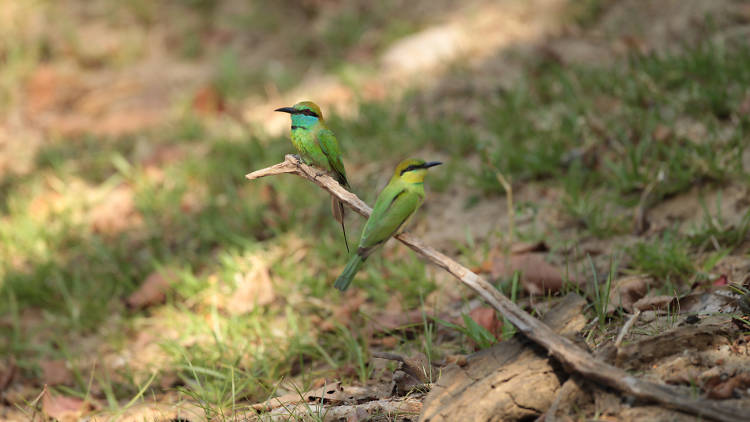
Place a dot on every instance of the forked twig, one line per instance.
(573, 358)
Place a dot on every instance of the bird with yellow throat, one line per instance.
(395, 206)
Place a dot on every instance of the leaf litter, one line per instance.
(63, 408)
(51, 90)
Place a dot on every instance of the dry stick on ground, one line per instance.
(625, 328)
(571, 356)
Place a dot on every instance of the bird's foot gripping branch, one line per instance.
(573, 358)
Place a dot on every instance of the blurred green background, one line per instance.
(126, 129)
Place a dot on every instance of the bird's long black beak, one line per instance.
(289, 110)
(431, 164)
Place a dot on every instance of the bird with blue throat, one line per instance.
(393, 210)
(317, 146)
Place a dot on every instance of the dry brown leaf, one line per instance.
(42, 89)
(343, 314)
(397, 409)
(733, 268)
(721, 280)
(49, 88)
(208, 101)
(55, 372)
(152, 291)
(192, 202)
(459, 360)
(63, 408)
(526, 247)
(635, 43)
(537, 275)
(518, 248)
(119, 122)
(374, 90)
(253, 288)
(651, 303)
(318, 382)
(389, 321)
(150, 411)
(334, 393)
(116, 212)
(485, 267)
(392, 316)
(487, 318)
(98, 99)
(387, 342)
(625, 291)
(163, 155)
(661, 133)
(46, 204)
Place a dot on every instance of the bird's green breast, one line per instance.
(395, 205)
(308, 148)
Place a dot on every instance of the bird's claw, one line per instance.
(298, 162)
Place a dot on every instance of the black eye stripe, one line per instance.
(307, 112)
(412, 167)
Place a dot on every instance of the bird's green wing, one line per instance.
(392, 209)
(330, 147)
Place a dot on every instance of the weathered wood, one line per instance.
(564, 350)
(573, 393)
(400, 409)
(673, 342)
(511, 380)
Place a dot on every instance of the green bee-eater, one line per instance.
(394, 207)
(317, 146)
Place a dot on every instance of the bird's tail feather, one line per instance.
(337, 208)
(346, 277)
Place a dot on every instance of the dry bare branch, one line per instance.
(625, 328)
(573, 358)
